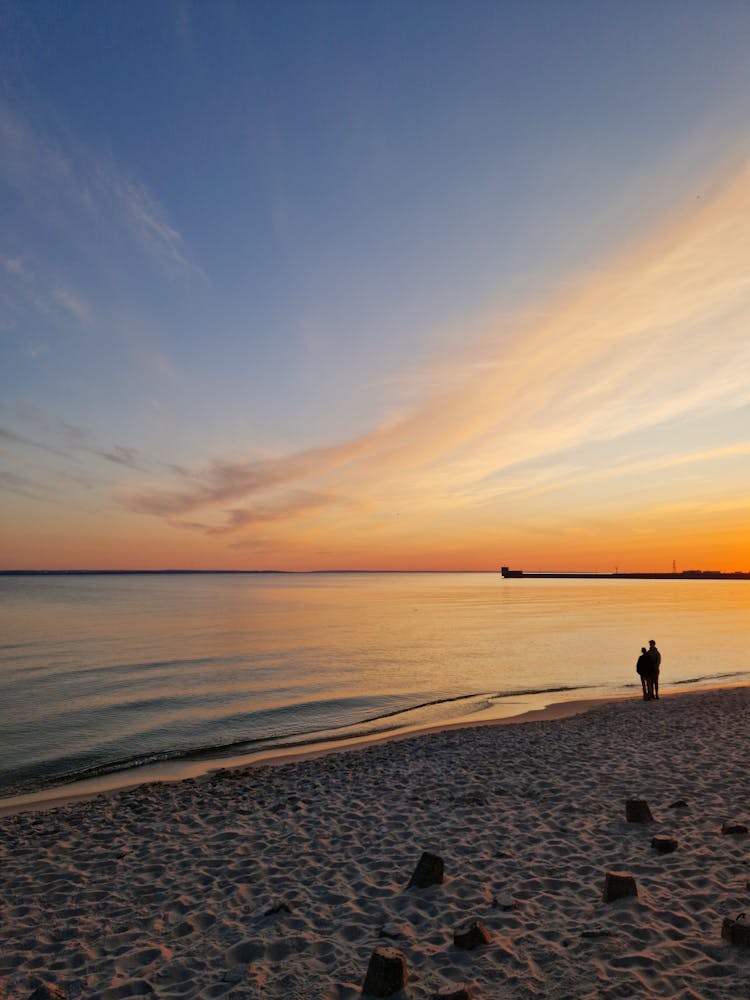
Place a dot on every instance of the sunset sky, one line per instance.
(321, 285)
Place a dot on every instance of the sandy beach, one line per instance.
(279, 881)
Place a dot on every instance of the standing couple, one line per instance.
(648, 666)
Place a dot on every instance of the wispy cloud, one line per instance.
(11, 436)
(14, 265)
(295, 504)
(74, 304)
(29, 289)
(64, 432)
(68, 186)
(21, 440)
(148, 222)
(225, 481)
(11, 482)
(67, 440)
(650, 338)
(120, 455)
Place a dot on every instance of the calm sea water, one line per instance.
(103, 674)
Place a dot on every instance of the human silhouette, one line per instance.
(643, 666)
(655, 656)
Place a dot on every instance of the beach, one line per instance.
(280, 880)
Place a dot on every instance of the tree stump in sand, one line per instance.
(386, 973)
(637, 811)
(736, 931)
(47, 991)
(471, 936)
(618, 885)
(664, 845)
(735, 829)
(429, 871)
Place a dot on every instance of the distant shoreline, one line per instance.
(231, 572)
(510, 575)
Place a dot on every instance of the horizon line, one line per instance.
(112, 572)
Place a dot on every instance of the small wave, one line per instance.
(492, 696)
(525, 692)
(713, 677)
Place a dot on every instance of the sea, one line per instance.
(112, 679)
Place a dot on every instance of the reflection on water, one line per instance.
(104, 671)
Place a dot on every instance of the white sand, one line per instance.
(170, 889)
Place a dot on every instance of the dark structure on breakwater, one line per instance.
(686, 574)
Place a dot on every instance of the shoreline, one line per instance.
(279, 880)
(181, 770)
(169, 772)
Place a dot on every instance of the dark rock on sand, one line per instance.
(679, 804)
(471, 936)
(664, 845)
(462, 993)
(637, 811)
(618, 885)
(386, 973)
(429, 871)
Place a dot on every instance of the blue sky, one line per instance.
(241, 232)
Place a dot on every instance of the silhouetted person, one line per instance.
(644, 667)
(655, 656)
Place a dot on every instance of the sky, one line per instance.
(375, 285)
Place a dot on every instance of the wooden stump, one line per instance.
(736, 931)
(735, 829)
(47, 991)
(429, 871)
(664, 845)
(471, 936)
(637, 811)
(386, 973)
(618, 885)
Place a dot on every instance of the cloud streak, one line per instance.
(69, 442)
(68, 186)
(20, 440)
(657, 336)
(23, 486)
(73, 304)
(295, 504)
(120, 455)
